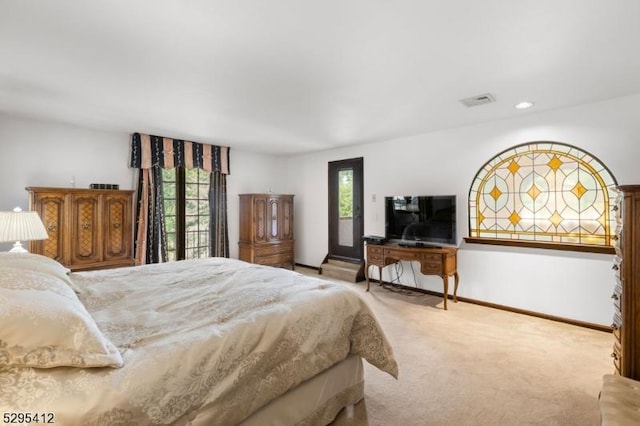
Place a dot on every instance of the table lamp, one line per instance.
(18, 225)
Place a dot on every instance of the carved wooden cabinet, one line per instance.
(88, 228)
(266, 229)
(626, 296)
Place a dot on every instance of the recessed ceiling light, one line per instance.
(523, 105)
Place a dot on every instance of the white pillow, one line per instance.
(35, 262)
(43, 324)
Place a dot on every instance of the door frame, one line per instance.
(336, 251)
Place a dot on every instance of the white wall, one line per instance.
(250, 173)
(572, 285)
(36, 153)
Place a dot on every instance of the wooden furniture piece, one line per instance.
(626, 295)
(88, 228)
(266, 229)
(440, 261)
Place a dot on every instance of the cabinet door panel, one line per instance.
(116, 219)
(51, 210)
(274, 228)
(286, 210)
(260, 219)
(85, 231)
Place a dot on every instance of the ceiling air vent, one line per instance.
(485, 98)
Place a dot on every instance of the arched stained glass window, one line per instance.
(543, 194)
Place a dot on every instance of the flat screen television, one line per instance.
(421, 220)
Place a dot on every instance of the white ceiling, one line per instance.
(293, 76)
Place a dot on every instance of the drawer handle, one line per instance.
(51, 227)
(116, 224)
(614, 355)
(614, 296)
(614, 237)
(614, 326)
(614, 208)
(86, 225)
(615, 267)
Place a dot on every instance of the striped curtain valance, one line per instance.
(148, 151)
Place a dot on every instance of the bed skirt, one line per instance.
(315, 402)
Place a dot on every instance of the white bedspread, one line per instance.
(215, 334)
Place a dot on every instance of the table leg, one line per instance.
(366, 275)
(445, 282)
(455, 288)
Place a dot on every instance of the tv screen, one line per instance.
(421, 220)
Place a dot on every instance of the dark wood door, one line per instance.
(346, 199)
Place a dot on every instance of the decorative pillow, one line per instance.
(43, 324)
(35, 262)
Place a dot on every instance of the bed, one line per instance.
(198, 342)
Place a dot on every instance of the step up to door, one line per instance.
(345, 271)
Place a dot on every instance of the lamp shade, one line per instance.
(19, 225)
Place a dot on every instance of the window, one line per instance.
(191, 196)
(544, 194)
(186, 213)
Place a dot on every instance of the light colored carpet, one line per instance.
(473, 365)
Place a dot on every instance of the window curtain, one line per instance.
(218, 231)
(151, 243)
(150, 154)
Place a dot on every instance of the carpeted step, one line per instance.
(341, 270)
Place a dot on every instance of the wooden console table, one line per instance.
(433, 261)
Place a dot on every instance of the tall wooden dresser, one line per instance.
(626, 296)
(88, 228)
(266, 229)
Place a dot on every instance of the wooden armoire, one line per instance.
(88, 228)
(266, 229)
(626, 296)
